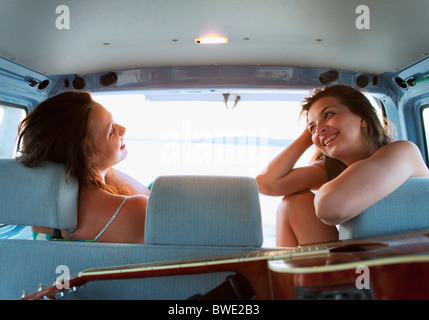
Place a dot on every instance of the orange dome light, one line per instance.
(211, 40)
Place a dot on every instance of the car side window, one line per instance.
(10, 117)
(425, 117)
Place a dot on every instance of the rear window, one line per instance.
(180, 135)
(188, 136)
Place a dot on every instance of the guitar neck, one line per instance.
(233, 263)
(205, 263)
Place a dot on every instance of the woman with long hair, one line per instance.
(356, 165)
(72, 129)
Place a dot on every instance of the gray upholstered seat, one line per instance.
(187, 218)
(204, 210)
(404, 210)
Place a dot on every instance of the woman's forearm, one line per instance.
(283, 164)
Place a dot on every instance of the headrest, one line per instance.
(204, 210)
(37, 196)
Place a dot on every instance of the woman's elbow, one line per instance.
(328, 210)
(263, 185)
(331, 221)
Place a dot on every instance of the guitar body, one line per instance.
(387, 270)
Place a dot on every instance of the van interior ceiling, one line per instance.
(104, 35)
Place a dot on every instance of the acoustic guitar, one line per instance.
(396, 268)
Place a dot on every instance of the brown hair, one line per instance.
(378, 135)
(58, 131)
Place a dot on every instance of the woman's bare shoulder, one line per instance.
(138, 200)
(135, 207)
(401, 147)
(407, 154)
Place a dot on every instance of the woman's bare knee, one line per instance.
(297, 221)
(289, 210)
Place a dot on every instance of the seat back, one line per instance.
(221, 214)
(37, 196)
(404, 210)
(204, 211)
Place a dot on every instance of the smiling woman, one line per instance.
(349, 107)
(84, 138)
(354, 149)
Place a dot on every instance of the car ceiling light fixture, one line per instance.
(211, 40)
(231, 105)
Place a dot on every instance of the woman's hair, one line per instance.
(378, 135)
(58, 131)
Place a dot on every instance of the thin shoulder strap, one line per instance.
(111, 219)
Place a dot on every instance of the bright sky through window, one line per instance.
(205, 138)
